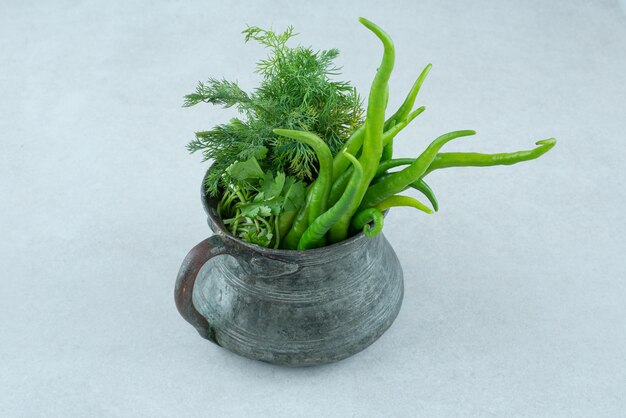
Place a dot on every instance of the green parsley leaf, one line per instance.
(245, 170)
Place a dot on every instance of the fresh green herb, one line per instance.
(253, 205)
(296, 92)
(300, 127)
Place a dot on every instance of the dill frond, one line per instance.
(296, 92)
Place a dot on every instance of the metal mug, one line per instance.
(287, 307)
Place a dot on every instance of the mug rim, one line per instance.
(209, 205)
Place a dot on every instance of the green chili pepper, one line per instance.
(395, 128)
(320, 226)
(465, 159)
(321, 189)
(284, 222)
(387, 149)
(472, 159)
(408, 103)
(394, 201)
(389, 164)
(299, 225)
(399, 181)
(403, 111)
(354, 143)
(421, 186)
(352, 146)
(341, 181)
(339, 186)
(374, 128)
(387, 152)
(363, 219)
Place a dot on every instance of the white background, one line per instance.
(515, 299)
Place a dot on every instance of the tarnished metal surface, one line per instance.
(296, 308)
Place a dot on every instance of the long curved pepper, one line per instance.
(374, 128)
(340, 180)
(387, 152)
(399, 181)
(419, 185)
(408, 103)
(299, 225)
(395, 128)
(320, 226)
(352, 146)
(339, 186)
(388, 148)
(364, 218)
(395, 201)
(473, 159)
(321, 189)
(389, 164)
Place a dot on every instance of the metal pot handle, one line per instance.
(193, 262)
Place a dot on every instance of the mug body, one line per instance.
(296, 308)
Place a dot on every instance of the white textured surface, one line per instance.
(515, 298)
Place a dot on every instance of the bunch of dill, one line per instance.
(296, 92)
